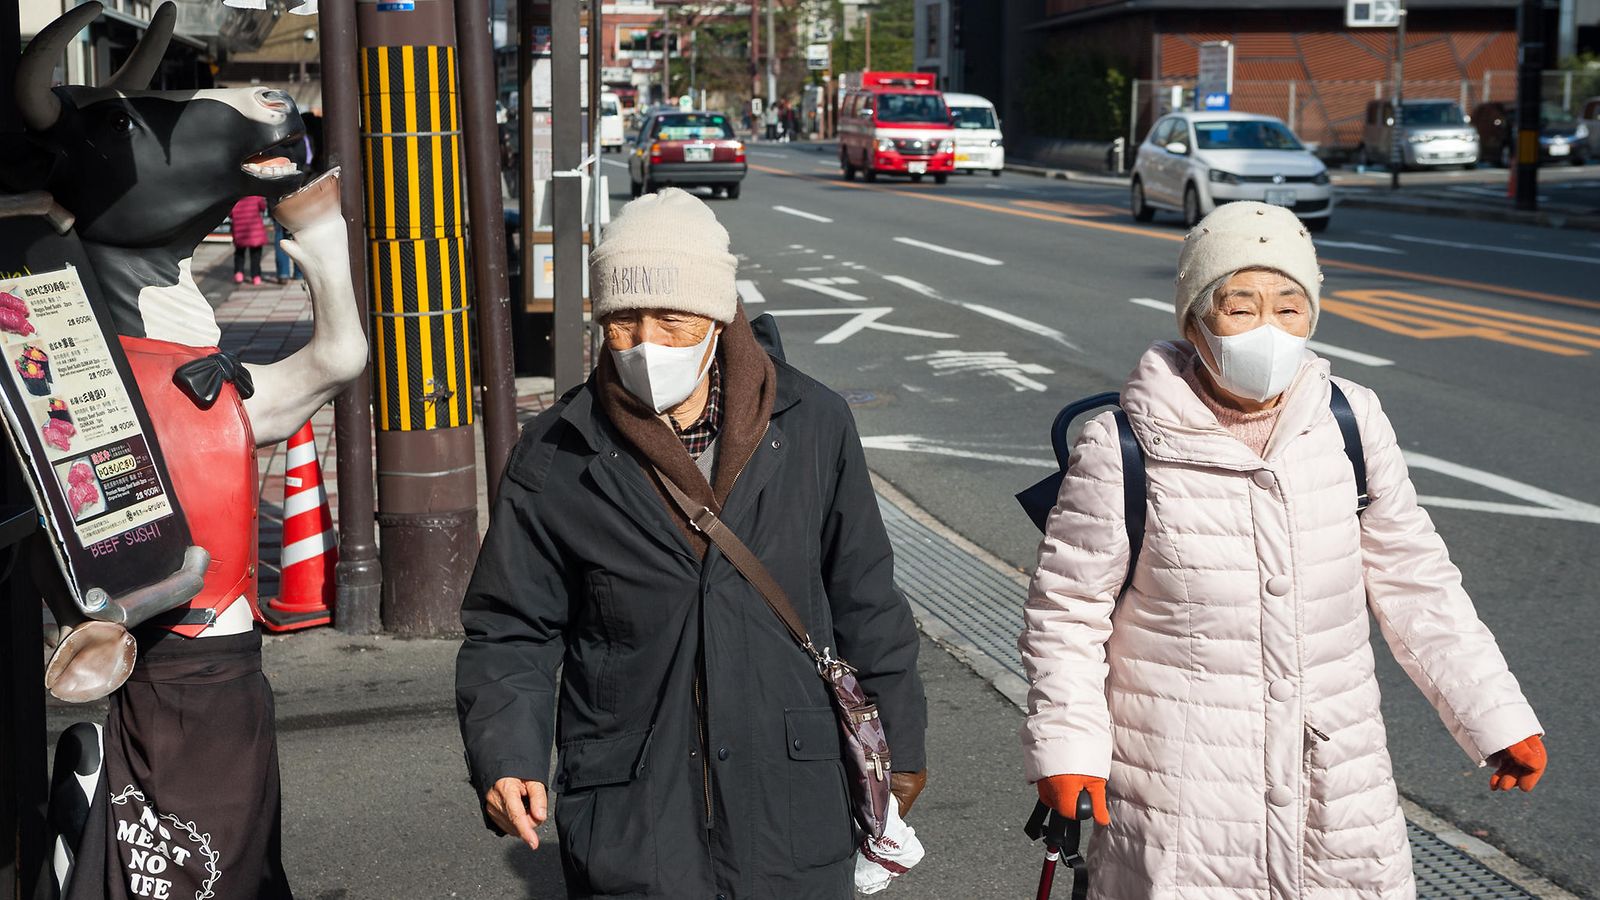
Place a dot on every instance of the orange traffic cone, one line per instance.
(305, 587)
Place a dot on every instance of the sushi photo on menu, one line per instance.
(57, 429)
(82, 487)
(33, 367)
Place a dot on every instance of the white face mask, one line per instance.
(663, 376)
(1259, 364)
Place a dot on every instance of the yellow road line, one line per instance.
(1166, 236)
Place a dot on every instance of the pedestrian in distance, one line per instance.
(249, 236)
(698, 752)
(1220, 706)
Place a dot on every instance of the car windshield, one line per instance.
(693, 127)
(609, 108)
(1245, 134)
(907, 108)
(1553, 114)
(1425, 114)
(972, 117)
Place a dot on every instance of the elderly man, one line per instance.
(699, 755)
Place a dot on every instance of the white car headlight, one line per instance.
(947, 145)
(1582, 134)
(885, 145)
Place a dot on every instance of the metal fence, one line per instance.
(1329, 115)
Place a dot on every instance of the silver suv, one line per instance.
(1434, 133)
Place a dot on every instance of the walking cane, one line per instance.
(1060, 833)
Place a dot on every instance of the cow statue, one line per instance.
(188, 756)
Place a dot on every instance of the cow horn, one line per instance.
(145, 60)
(37, 102)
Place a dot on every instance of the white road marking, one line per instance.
(1545, 504)
(839, 280)
(800, 213)
(1355, 356)
(1491, 248)
(1540, 503)
(810, 269)
(861, 318)
(748, 292)
(612, 162)
(958, 254)
(997, 363)
(1027, 325)
(1357, 245)
(823, 289)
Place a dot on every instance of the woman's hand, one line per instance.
(1060, 793)
(1520, 765)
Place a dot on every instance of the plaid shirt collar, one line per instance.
(698, 437)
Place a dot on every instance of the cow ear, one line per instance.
(145, 60)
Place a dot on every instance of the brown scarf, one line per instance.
(749, 388)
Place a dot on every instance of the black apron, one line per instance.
(188, 803)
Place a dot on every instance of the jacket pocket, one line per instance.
(604, 812)
(821, 832)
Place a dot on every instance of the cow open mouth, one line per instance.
(271, 164)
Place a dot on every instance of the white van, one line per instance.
(612, 132)
(979, 144)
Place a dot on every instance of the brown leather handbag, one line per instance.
(865, 744)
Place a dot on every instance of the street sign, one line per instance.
(818, 56)
(1216, 75)
(397, 6)
(686, 102)
(755, 106)
(1372, 13)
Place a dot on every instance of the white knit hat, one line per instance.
(665, 251)
(1245, 235)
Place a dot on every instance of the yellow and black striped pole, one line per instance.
(422, 344)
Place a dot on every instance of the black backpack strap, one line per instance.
(1134, 490)
(1351, 430)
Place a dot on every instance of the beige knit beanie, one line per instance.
(665, 251)
(1245, 235)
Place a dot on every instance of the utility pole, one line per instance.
(566, 193)
(357, 576)
(1530, 60)
(867, 15)
(1397, 149)
(416, 225)
(666, 54)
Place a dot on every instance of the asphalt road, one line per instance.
(958, 319)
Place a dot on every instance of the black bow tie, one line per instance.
(202, 378)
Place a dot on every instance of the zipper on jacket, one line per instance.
(1316, 733)
(705, 762)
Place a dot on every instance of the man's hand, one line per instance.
(1060, 793)
(905, 786)
(518, 807)
(1520, 765)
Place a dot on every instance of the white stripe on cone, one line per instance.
(305, 501)
(306, 548)
(301, 454)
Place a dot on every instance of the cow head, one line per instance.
(141, 168)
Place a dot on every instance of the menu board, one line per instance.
(72, 418)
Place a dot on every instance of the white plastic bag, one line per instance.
(881, 861)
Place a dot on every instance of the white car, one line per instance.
(979, 144)
(1193, 161)
(612, 136)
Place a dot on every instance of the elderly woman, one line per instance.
(1223, 713)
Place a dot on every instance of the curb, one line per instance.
(1015, 690)
(1542, 218)
(1066, 175)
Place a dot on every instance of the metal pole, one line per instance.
(525, 155)
(486, 229)
(427, 469)
(666, 55)
(597, 193)
(1397, 151)
(1567, 30)
(358, 576)
(1294, 105)
(755, 54)
(1133, 119)
(868, 16)
(772, 56)
(1530, 90)
(566, 337)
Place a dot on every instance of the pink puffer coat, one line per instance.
(1229, 698)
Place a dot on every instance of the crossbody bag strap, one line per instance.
(709, 524)
(1350, 431)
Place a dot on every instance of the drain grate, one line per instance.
(985, 607)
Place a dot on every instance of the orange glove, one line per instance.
(1060, 793)
(1519, 765)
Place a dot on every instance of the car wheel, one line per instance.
(636, 190)
(941, 178)
(1191, 206)
(869, 174)
(732, 191)
(1142, 211)
(849, 170)
(916, 179)
(1577, 161)
(996, 173)
(1318, 225)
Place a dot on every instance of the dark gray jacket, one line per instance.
(698, 753)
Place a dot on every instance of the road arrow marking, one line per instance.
(799, 213)
(997, 363)
(861, 318)
(911, 443)
(813, 284)
(999, 315)
(958, 254)
(1355, 356)
(748, 292)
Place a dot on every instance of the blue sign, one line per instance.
(1216, 102)
(397, 6)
